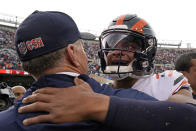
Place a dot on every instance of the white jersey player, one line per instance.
(162, 85)
(127, 51)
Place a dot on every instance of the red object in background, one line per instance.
(14, 72)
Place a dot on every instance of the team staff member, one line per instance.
(49, 47)
(186, 64)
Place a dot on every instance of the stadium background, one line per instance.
(12, 73)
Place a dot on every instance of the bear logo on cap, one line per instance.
(36, 43)
(22, 48)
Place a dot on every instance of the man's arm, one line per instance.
(80, 103)
(130, 114)
(122, 113)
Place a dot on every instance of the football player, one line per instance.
(128, 48)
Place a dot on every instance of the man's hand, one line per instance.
(76, 103)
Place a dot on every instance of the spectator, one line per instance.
(18, 92)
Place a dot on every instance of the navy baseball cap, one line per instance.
(43, 32)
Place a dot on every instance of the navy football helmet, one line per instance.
(125, 34)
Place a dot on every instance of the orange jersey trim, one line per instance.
(170, 73)
(183, 83)
(157, 76)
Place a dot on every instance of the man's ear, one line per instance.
(72, 55)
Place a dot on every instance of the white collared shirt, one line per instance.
(69, 73)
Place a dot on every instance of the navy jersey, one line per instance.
(11, 120)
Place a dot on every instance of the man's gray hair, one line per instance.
(39, 65)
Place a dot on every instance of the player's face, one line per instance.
(191, 75)
(124, 57)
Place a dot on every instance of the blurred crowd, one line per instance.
(91, 48)
(8, 56)
(164, 59)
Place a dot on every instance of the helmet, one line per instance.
(122, 31)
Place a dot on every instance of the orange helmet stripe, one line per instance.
(120, 20)
(138, 26)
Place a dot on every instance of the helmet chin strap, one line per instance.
(123, 76)
(115, 72)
